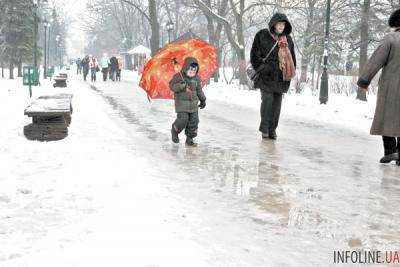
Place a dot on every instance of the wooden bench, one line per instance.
(51, 116)
(60, 80)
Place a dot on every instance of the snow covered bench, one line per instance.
(51, 116)
(60, 80)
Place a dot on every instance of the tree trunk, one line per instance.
(241, 49)
(11, 68)
(214, 34)
(304, 67)
(177, 15)
(216, 43)
(217, 38)
(349, 60)
(305, 59)
(20, 68)
(155, 27)
(217, 74)
(319, 71)
(313, 75)
(361, 94)
(242, 66)
(211, 34)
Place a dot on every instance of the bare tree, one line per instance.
(151, 16)
(235, 36)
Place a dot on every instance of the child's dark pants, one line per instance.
(187, 121)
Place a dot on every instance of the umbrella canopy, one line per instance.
(167, 62)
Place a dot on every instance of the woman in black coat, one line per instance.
(270, 81)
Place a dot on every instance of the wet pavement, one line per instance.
(289, 202)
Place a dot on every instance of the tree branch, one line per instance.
(224, 21)
(141, 11)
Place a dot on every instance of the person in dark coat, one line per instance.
(186, 86)
(85, 67)
(386, 120)
(119, 70)
(113, 67)
(271, 80)
(78, 66)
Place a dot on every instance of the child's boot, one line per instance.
(174, 135)
(190, 142)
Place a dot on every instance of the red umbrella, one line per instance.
(167, 62)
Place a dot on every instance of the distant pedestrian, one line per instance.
(104, 64)
(94, 68)
(113, 67)
(119, 69)
(85, 67)
(274, 56)
(78, 66)
(387, 113)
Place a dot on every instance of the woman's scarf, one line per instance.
(286, 63)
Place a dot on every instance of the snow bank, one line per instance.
(341, 110)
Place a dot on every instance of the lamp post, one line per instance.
(60, 56)
(324, 90)
(35, 30)
(170, 28)
(46, 25)
(48, 46)
(58, 47)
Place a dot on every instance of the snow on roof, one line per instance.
(140, 49)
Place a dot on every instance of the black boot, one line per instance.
(190, 142)
(175, 136)
(390, 157)
(272, 135)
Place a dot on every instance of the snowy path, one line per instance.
(233, 201)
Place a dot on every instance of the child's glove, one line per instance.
(182, 86)
(202, 104)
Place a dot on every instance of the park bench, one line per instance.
(60, 80)
(51, 116)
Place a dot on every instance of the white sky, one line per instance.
(74, 9)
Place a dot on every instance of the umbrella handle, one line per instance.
(189, 91)
(174, 61)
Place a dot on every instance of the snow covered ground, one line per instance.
(116, 192)
(54, 195)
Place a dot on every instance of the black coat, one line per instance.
(114, 63)
(271, 77)
(85, 64)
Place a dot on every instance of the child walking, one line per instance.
(186, 86)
